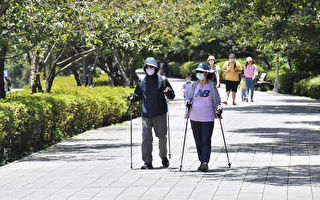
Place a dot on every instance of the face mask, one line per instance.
(200, 76)
(150, 71)
(211, 62)
(188, 80)
(231, 59)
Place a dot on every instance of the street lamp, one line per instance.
(276, 84)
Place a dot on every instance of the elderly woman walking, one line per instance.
(203, 104)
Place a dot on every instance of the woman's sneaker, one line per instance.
(165, 162)
(147, 166)
(204, 167)
(200, 167)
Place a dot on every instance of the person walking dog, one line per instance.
(204, 102)
(151, 91)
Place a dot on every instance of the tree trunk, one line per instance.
(133, 76)
(76, 75)
(3, 53)
(126, 82)
(50, 78)
(34, 77)
(268, 64)
(92, 69)
(102, 65)
(84, 76)
(290, 63)
(38, 83)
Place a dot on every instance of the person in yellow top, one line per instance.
(232, 69)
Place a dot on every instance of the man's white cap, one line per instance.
(248, 59)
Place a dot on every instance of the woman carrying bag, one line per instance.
(204, 102)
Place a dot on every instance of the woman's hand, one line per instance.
(189, 104)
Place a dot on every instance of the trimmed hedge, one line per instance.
(288, 78)
(308, 87)
(31, 122)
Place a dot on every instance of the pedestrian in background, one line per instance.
(187, 84)
(250, 72)
(243, 88)
(232, 69)
(214, 77)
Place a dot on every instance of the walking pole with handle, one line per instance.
(169, 136)
(184, 139)
(224, 140)
(131, 134)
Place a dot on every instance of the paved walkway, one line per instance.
(273, 142)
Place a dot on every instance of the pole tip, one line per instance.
(229, 165)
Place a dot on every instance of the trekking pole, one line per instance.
(131, 134)
(184, 140)
(224, 140)
(169, 136)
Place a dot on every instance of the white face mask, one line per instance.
(150, 71)
(211, 62)
(200, 76)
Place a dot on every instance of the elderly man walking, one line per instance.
(151, 91)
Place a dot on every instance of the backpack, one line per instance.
(235, 66)
(162, 81)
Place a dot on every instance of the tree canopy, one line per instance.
(68, 35)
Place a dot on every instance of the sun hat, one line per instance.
(202, 67)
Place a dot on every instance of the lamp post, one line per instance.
(276, 84)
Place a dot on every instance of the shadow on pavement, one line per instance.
(297, 175)
(78, 152)
(275, 109)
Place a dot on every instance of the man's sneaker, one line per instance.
(165, 162)
(200, 167)
(234, 103)
(225, 102)
(204, 167)
(251, 100)
(247, 99)
(147, 166)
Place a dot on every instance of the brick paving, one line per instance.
(273, 145)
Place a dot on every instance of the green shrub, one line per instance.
(101, 80)
(30, 122)
(288, 78)
(308, 87)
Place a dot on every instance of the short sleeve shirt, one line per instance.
(232, 75)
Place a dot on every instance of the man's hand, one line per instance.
(165, 91)
(130, 97)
